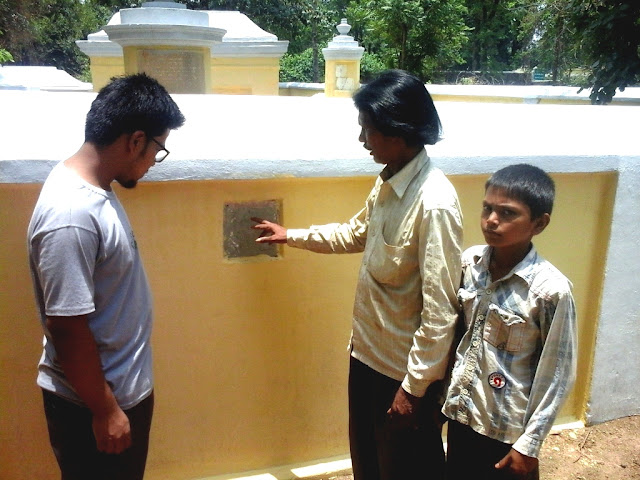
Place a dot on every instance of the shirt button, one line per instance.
(465, 391)
(475, 343)
(480, 317)
(488, 291)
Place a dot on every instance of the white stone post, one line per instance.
(342, 63)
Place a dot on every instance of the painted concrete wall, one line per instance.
(245, 76)
(251, 357)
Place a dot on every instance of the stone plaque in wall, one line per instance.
(179, 71)
(239, 238)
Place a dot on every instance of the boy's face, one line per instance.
(506, 222)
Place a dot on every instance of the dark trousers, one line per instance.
(380, 450)
(471, 455)
(74, 445)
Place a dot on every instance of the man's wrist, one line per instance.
(411, 388)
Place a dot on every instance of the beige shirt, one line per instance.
(406, 299)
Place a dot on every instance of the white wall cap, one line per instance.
(349, 53)
(229, 136)
(242, 49)
(528, 93)
(239, 27)
(167, 4)
(115, 19)
(163, 16)
(98, 45)
(174, 35)
(15, 77)
(242, 37)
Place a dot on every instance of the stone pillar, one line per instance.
(168, 42)
(342, 63)
(105, 58)
(186, 50)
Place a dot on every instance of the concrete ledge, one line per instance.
(308, 471)
(251, 137)
(527, 94)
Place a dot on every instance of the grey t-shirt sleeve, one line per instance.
(66, 259)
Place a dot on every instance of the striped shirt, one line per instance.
(406, 304)
(516, 361)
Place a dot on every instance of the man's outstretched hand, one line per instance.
(270, 232)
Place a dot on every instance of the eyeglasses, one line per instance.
(162, 153)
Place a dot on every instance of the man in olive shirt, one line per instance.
(410, 231)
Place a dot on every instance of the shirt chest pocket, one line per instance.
(504, 329)
(391, 265)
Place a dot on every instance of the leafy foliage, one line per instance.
(421, 36)
(298, 67)
(305, 23)
(598, 37)
(14, 23)
(43, 32)
(370, 66)
(5, 56)
(549, 35)
(493, 38)
(609, 37)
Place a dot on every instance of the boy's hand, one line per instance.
(517, 463)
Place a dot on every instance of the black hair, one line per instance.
(528, 184)
(399, 105)
(128, 104)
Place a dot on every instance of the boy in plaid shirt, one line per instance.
(516, 360)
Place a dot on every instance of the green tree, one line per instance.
(299, 67)
(550, 39)
(304, 23)
(43, 32)
(421, 36)
(494, 41)
(15, 29)
(608, 32)
(56, 28)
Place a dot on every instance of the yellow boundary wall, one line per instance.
(250, 358)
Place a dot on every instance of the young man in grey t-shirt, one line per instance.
(91, 289)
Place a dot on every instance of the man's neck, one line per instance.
(90, 164)
(403, 159)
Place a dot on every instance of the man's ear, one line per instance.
(541, 223)
(137, 141)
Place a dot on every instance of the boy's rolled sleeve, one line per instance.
(555, 374)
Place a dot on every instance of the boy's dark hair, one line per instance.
(399, 105)
(128, 104)
(528, 184)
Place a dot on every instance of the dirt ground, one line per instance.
(608, 451)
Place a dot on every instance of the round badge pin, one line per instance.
(497, 380)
